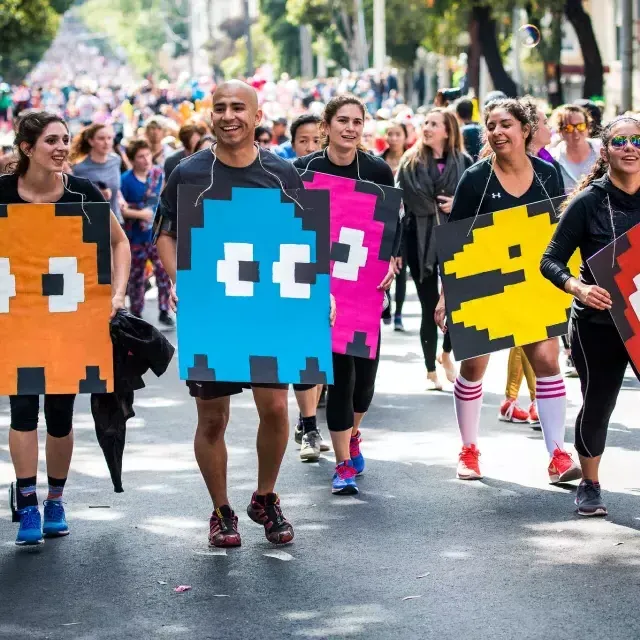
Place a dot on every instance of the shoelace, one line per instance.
(591, 491)
(274, 514)
(345, 471)
(30, 520)
(564, 456)
(469, 456)
(54, 508)
(354, 447)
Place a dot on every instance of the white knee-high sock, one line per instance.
(468, 403)
(551, 398)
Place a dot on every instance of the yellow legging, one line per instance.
(518, 367)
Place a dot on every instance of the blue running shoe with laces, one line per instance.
(30, 531)
(55, 523)
(344, 480)
(356, 457)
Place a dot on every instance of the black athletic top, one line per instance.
(586, 225)
(9, 190)
(474, 183)
(364, 167)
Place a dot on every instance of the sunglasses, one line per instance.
(620, 142)
(570, 128)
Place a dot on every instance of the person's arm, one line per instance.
(121, 259)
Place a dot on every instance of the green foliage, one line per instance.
(27, 28)
(284, 35)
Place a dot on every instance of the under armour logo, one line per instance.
(496, 195)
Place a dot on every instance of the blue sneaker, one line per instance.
(30, 531)
(344, 480)
(55, 524)
(357, 459)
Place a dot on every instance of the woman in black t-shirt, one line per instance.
(350, 395)
(509, 178)
(604, 207)
(42, 147)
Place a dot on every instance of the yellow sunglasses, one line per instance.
(570, 128)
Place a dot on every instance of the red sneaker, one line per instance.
(469, 464)
(533, 414)
(223, 528)
(562, 468)
(277, 529)
(511, 412)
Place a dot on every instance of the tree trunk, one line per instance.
(502, 81)
(593, 70)
(473, 57)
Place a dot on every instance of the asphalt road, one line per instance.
(418, 554)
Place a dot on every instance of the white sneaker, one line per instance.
(310, 449)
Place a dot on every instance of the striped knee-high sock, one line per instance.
(551, 398)
(468, 403)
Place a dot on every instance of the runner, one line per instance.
(234, 160)
(428, 176)
(141, 188)
(350, 395)
(605, 205)
(513, 178)
(42, 148)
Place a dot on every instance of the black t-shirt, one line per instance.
(90, 193)
(371, 167)
(197, 169)
(472, 186)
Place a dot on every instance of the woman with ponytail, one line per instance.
(604, 206)
(42, 149)
(510, 177)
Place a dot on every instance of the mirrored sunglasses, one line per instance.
(620, 142)
(570, 128)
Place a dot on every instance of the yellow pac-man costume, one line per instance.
(496, 296)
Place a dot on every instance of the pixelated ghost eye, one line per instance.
(7, 285)
(238, 271)
(348, 254)
(294, 272)
(515, 251)
(634, 298)
(63, 285)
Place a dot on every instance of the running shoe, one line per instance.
(511, 412)
(534, 418)
(277, 528)
(323, 445)
(223, 528)
(298, 432)
(30, 531)
(344, 480)
(357, 459)
(166, 320)
(469, 463)
(562, 468)
(589, 499)
(55, 522)
(397, 324)
(571, 369)
(310, 450)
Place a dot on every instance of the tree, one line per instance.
(284, 35)
(27, 27)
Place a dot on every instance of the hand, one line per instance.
(147, 215)
(333, 311)
(593, 296)
(398, 264)
(445, 203)
(117, 303)
(385, 285)
(173, 298)
(440, 315)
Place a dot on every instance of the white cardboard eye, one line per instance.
(349, 270)
(284, 271)
(229, 269)
(7, 285)
(73, 292)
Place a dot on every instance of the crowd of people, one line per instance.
(446, 159)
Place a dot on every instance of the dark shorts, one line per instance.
(213, 390)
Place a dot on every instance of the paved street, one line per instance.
(417, 554)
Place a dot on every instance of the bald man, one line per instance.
(238, 163)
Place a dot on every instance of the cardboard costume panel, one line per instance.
(617, 269)
(364, 218)
(55, 299)
(495, 294)
(253, 285)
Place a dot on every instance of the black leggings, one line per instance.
(58, 413)
(428, 295)
(401, 288)
(601, 360)
(354, 381)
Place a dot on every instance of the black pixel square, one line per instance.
(249, 271)
(52, 284)
(340, 252)
(515, 251)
